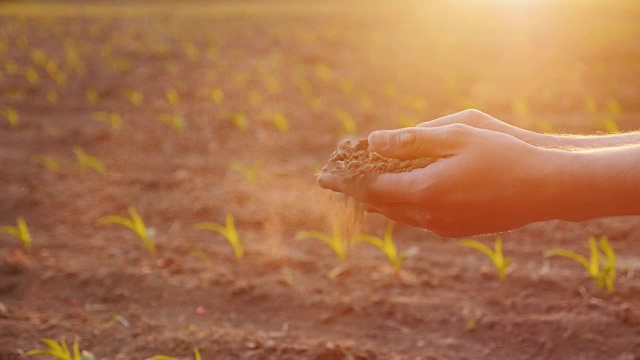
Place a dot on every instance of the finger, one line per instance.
(402, 187)
(403, 213)
(469, 117)
(413, 143)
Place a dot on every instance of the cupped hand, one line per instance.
(484, 181)
(480, 120)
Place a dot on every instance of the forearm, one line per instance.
(579, 141)
(597, 183)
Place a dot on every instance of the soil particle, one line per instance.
(357, 160)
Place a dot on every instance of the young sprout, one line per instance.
(280, 122)
(349, 126)
(333, 240)
(191, 50)
(240, 121)
(591, 106)
(172, 97)
(174, 121)
(249, 173)
(499, 261)
(135, 96)
(20, 232)
(92, 96)
(346, 86)
(271, 83)
(406, 122)
(47, 161)
(366, 102)
(113, 119)
(218, 96)
(52, 96)
(228, 231)
(11, 67)
(614, 107)
(608, 125)
(601, 269)
(38, 57)
(520, 106)
(419, 104)
(315, 103)
(11, 115)
(87, 161)
(32, 76)
(387, 246)
(134, 224)
(61, 351)
(165, 357)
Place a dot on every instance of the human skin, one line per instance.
(494, 177)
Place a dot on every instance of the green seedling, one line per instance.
(61, 351)
(591, 106)
(333, 240)
(228, 231)
(165, 357)
(249, 173)
(315, 103)
(87, 161)
(280, 122)
(174, 121)
(92, 96)
(20, 232)
(32, 76)
(134, 224)
(11, 115)
(172, 97)
(217, 95)
(11, 67)
(191, 50)
(499, 261)
(349, 126)
(387, 246)
(135, 96)
(407, 122)
(240, 121)
(600, 267)
(520, 107)
(614, 107)
(366, 102)
(52, 96)
(47, 161)
(608, 124)
(113, 119)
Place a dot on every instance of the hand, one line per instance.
(485, 181)
(480, 120)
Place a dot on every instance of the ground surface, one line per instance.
(324, 67)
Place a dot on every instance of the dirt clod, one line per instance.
(358, 161)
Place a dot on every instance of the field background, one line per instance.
(71, 71)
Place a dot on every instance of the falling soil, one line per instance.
(359, 166)
(358, 162)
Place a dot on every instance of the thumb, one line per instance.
(412, 143)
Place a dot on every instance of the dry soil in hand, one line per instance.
(358, 162)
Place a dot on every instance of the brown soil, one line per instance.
(380, 63)
(357, 161)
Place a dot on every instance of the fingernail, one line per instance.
(378, 140)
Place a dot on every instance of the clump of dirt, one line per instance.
(357, 161)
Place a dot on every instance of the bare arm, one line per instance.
(487, 181)
(481, 120)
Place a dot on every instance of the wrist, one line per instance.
(594, 183)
